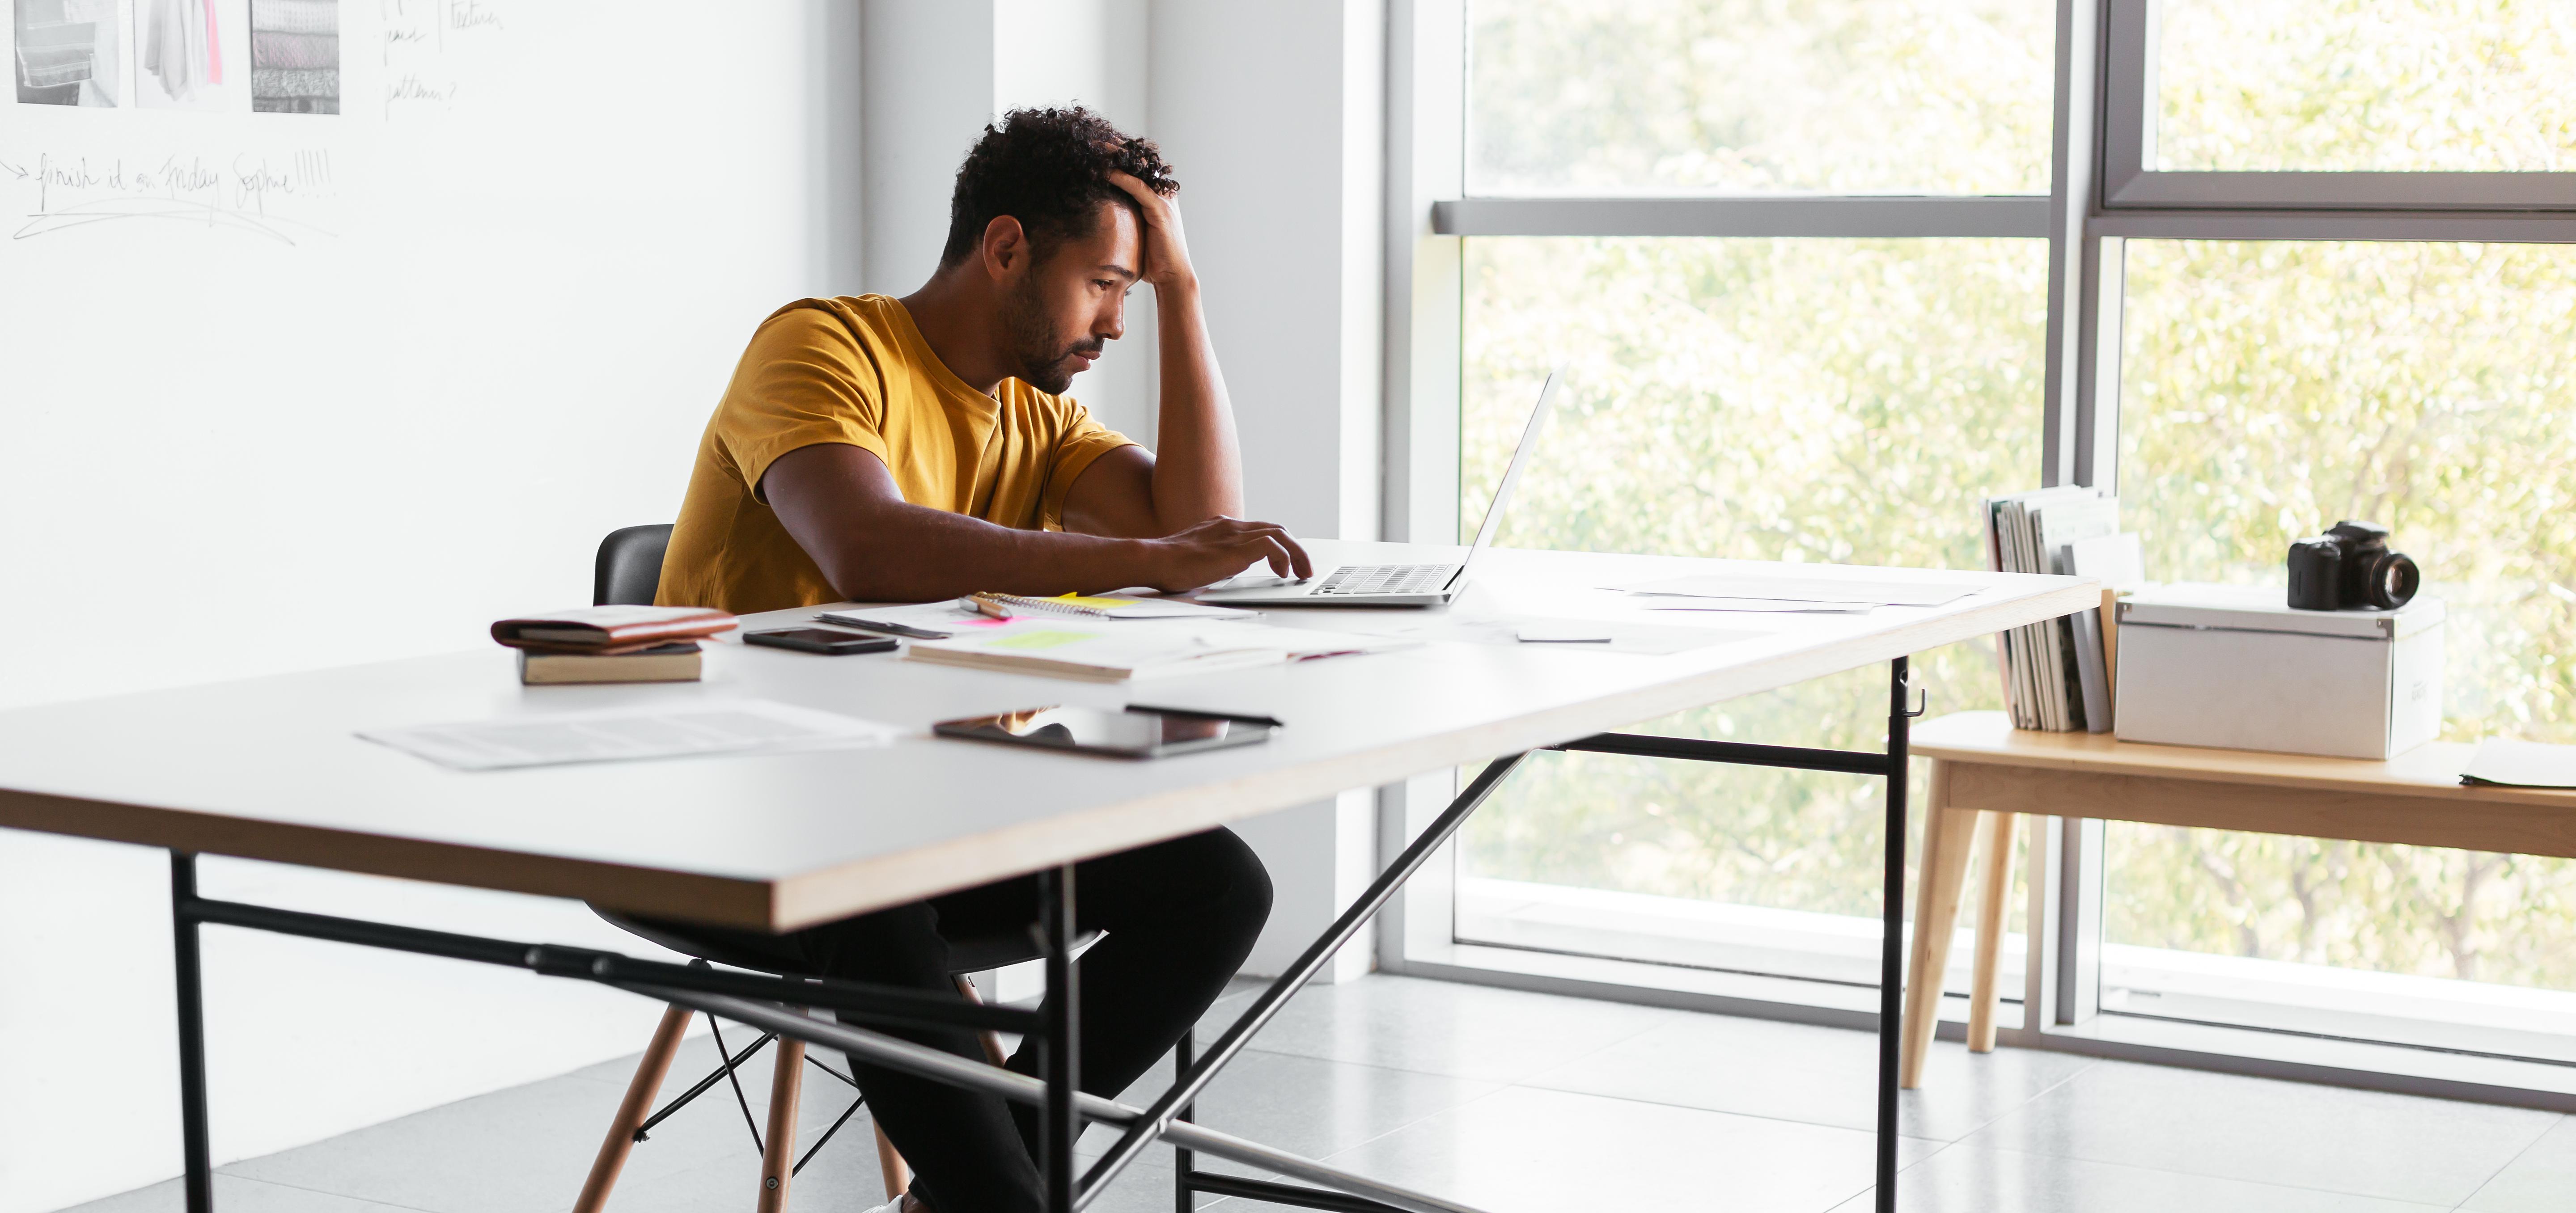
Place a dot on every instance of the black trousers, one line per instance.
(1179, 918)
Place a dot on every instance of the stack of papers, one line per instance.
(735, 726)
(2522, 764)
(1777, 592)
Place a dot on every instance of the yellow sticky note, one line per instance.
(1041, 640)
(1105, 604)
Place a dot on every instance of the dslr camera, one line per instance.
(2349, 568)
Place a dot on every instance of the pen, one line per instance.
(984, 604)
(891, 629)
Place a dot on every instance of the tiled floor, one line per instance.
(1522, 1102)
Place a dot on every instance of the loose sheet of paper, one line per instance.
(1676, 602)
(2522, 764)
(1579, 635)
(1838, 590)
(621, 734)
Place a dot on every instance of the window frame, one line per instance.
(2130, 112)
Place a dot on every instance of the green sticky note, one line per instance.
(1041, 640)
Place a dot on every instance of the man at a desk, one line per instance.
(882, 449)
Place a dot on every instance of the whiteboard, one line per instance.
(285, 387)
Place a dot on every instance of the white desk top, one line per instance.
(268, 768)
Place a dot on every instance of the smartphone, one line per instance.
(820, 640)
(1131, 733)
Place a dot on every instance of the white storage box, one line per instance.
(2236, 667)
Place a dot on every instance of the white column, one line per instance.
(927, 84)
(1274, 116)
(936, 72)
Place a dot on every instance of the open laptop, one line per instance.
(1374, 585)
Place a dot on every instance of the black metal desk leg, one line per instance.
(192, 1035)
(1062, 1043)
(1891, 962)
(1183, 1199)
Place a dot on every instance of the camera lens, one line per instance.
(2393, 581)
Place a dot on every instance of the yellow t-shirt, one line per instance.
(855, 370)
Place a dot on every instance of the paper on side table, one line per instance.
(2521, 764)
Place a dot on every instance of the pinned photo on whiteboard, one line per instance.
(295, 56)
(70, 52)
(189, 55)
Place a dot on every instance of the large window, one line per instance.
(1839, 400)
(1821, 285)
(2271, 388)
(1843, 394)
(2364, 86)
(1749, 96)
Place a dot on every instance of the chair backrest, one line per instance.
(630, 566)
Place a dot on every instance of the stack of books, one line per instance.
(612, 643)
(2058, 675)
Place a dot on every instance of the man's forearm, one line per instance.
(899, 552)
(1198, 469)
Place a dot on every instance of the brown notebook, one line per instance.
(674, 661)
(610, 629)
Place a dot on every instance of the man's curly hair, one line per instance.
(1049, 169)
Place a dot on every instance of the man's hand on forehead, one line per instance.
(1167, 254)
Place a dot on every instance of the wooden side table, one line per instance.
(1982, 767)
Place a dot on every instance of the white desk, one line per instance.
(269, 768)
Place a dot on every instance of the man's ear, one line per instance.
(1005, 247)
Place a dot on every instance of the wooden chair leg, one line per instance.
(640, 1093)
(778, 1154)
(1947, 839)
(1990, 930)
(898, 1175)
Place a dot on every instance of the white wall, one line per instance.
(508, 306)
(498, 339)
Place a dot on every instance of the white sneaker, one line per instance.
(891, 1206)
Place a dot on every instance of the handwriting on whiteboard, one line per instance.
(436, 51)
(275, 197)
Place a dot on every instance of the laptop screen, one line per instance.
(1511, 475)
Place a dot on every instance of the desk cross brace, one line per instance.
(1194, 1075)
(757, 999)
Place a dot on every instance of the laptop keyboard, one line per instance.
(1387, 579)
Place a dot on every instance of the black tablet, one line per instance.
(1135, 732)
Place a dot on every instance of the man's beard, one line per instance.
(1045, 361)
